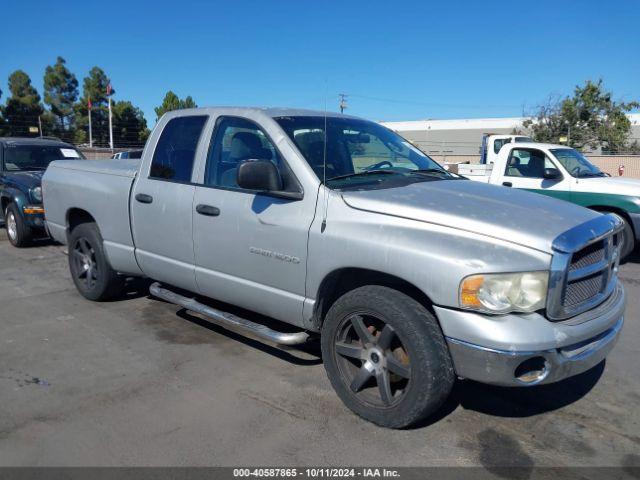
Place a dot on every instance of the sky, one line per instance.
(396, 60)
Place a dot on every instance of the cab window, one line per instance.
(176, 149)
(236, 140)
(527, 163)
(499, 143)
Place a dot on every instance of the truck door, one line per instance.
(250, 248)
(162, 201)
(524, 168)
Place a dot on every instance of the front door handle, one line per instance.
(144, 198)
(507, 184)
(208, 210)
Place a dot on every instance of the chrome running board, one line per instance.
(228, 320)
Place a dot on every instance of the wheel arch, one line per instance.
(76, 216)
(12, 195)
(617, 210)
(340, 281)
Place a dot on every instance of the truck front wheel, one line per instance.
(386, 357)
(91, 273)
(629, 239)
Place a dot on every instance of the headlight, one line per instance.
(36, 194)
(505, 292)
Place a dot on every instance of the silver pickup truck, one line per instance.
(336, 226)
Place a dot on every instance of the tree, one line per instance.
(172, 102)
(23, 106)
(189, 103)
(129, 125)
(94, 88)
(590, 118)
(61, 92)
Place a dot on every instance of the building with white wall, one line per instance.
(463, 136)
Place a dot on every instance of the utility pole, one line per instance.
(89, 107)
(343, 102)
(40, 125)
(109, 88)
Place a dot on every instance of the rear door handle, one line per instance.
(144, 198)
(507, 184)
(208, 210)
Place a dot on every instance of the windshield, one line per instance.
(359, 153)
(23, 158)
(575, 163)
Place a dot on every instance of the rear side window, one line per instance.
(176, 149)
(499, 143)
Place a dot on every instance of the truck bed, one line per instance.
(101, 189)
(477, 172)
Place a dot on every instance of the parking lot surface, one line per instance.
(142, 382)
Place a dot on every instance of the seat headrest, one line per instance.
(245, 145)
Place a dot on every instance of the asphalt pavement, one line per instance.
(142, 382)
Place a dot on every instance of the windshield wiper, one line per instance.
(365, 172)
(427, 171)
(590, 174)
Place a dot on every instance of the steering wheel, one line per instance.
(575, 170)
(379, 165)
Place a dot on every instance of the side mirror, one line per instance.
(261, 175)
(551, 173)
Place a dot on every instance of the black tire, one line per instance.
(19, 234)
(629, 239)
(419, 372)
(90, 270)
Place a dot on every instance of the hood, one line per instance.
(24, 180)
(614, 185)
(525, 218)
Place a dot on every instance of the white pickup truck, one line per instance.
(492, 143)
(563, 172)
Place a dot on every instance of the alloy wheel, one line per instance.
(84, 260)
(372, 360)
(12, 226)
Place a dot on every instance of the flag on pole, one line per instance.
(89, 106)
(109, 88)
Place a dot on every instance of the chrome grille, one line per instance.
(589, 255)
(582, 290)
(583, 271)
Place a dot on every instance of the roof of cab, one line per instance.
(537, 145)
(268, 111)
(33, 141)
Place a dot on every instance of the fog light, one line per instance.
(532, 370)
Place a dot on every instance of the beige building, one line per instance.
(464, 136)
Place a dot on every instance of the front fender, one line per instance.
(14, 195)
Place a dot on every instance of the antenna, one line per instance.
(324, 161)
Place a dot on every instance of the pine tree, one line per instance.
(61, 93)
(23, 106)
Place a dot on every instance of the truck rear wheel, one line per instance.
(90, 270)
(386, 357)
(18, 232)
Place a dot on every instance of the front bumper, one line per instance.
(498, 349)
